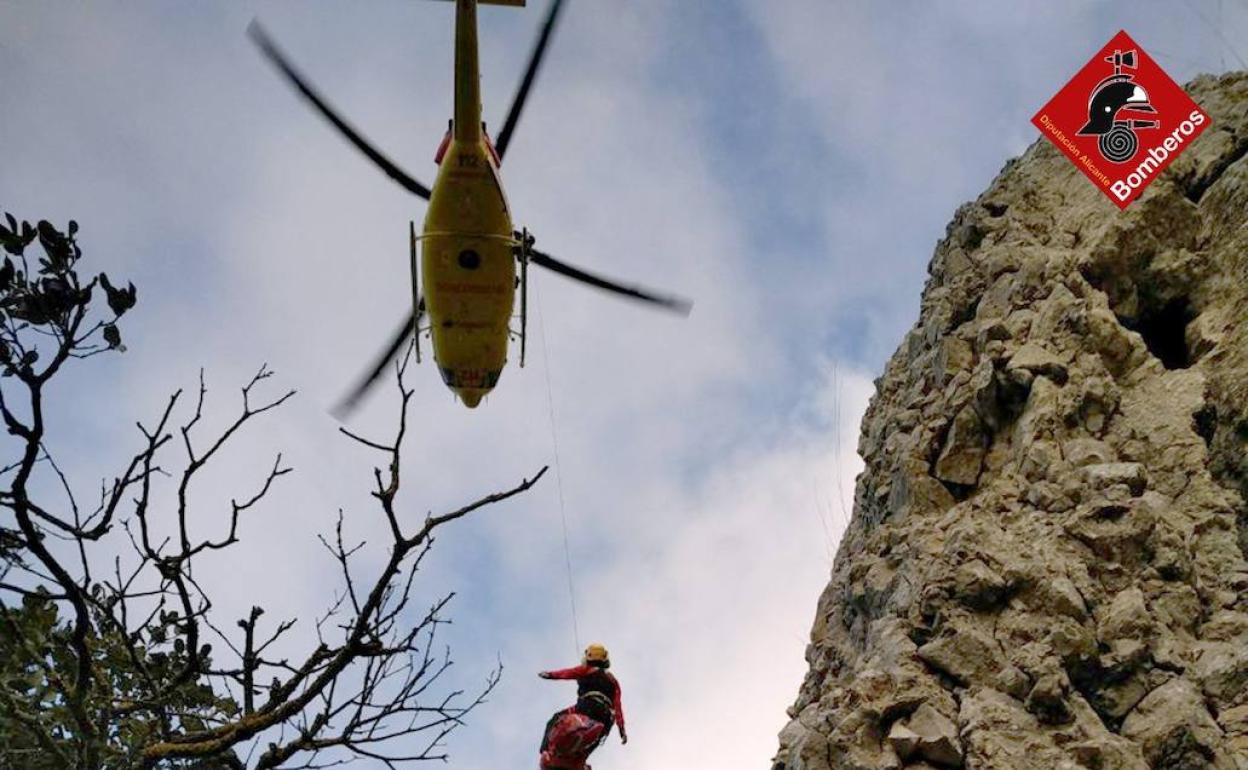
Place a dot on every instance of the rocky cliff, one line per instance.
(1046, 564)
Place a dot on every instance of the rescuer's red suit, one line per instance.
(573, 733)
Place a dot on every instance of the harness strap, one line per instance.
(601, 697)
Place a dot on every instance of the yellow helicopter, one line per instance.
(470, 252)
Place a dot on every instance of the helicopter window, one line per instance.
(469, 259)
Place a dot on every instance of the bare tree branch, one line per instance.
(131, 681)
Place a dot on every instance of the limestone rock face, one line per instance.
(1046, 565)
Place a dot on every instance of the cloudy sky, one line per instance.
(788, 164)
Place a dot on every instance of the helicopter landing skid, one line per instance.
(416, 304)
(522, 248)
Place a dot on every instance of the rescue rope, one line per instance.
(554, 439)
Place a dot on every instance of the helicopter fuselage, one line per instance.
(467, 261)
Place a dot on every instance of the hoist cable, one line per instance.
(563, 515)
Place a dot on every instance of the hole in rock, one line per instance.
(1163, 331)
(1205, 422)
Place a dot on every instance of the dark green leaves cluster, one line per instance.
(44, 292)
(48, 296)
(36, 723)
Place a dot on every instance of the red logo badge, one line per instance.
(1121, 120)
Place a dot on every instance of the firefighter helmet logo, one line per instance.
(1113, 96)
(1121, 120)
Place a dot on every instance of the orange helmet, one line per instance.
(596, 653)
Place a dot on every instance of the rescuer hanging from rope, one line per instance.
(572, 733)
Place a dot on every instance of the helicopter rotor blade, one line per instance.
(274, 54)
(401, 334)
(675, 304)
(530, 74)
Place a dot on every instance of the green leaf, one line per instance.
(112, 335)
(55, 245)
(12, 243)
(119, 300)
